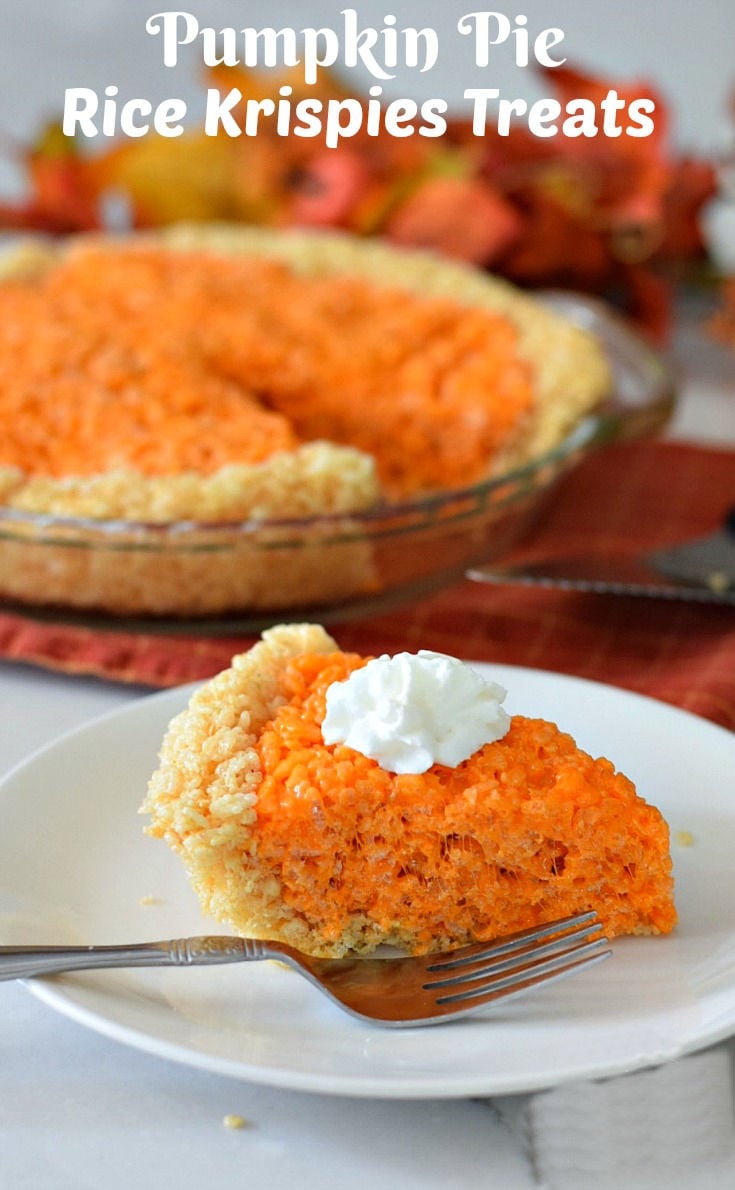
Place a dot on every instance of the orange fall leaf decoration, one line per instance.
(603, 214)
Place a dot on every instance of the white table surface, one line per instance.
(78, 1110)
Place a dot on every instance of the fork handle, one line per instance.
(22, 962)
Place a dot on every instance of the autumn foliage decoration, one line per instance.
(616, 216)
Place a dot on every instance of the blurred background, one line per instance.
(685, 49)
(621, 217)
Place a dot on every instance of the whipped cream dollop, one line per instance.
(413, 710)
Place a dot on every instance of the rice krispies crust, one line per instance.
(201, 799)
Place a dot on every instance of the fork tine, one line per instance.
(479, 951)
(453, 1009)
(521, 978)
(486, 964)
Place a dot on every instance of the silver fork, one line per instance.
(389, 991)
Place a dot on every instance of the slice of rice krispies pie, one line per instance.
(288, 838)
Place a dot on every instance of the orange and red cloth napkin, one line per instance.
(625, 497)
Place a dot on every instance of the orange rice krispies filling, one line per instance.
(136, 357)
(528, 828)
(335, 854)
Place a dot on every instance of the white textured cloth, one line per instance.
(672, 1127)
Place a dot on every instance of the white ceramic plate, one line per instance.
(75, 866)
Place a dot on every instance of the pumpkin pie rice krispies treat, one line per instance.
(337, 803)
(217, 375)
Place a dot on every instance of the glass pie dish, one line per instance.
(225, 577)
